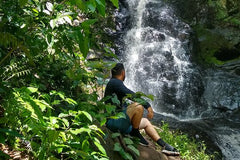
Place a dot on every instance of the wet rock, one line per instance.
(150, 35)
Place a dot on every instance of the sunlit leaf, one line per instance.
(52, 135)
(70, 101)
(81, 130)
(53, 23)
(68, 20)
(46, 11)
(63, 135)
(32, 89)
(99, 146)
(87, 115)
(49, 6)
(115, 3)
(103, 121)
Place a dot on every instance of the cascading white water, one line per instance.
(156, 57)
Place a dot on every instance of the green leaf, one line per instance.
(4, 155)
(52, 23)
(59, 150)
(115, 100)
(134, 149)
(115, 3)
(63, 135)
(103, 121)
(83, 43)
(127, 156)
(91, 5)
(23, 2)
(2, 138)
(80, 4)
(117, 147)
(52, 135)
(65, 121)
(70, 101)
(110, 108)
(99, 146)
(128, 141)
(32, 89)
(120, 115)
(61, 115)
(61, 95)
(81, 130)
(56, 102)
(114, 135)
(87, 115)
(10, 132)
(87, 23)
(101, 7)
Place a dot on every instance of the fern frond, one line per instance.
(7, 40)
(17, 69)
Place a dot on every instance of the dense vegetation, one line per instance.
(216, 24)
(50, 92)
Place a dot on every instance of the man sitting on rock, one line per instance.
(134, 112)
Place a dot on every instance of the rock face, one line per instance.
(150, 153)
(146, 153)
(216, 26)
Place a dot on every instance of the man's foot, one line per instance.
(136, 133)
(170, 150)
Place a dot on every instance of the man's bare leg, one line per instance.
(151, 132)
(149, 129)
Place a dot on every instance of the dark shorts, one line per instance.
(122, 125)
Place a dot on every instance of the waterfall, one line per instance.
(157, 53)
(157, 58)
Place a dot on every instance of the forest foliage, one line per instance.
(49, 91)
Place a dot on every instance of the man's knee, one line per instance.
(135, 107)
(147, 122)
(139, 108)
(144, 123)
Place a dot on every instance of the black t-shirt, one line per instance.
(116, 86)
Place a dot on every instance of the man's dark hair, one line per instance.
(117, 69)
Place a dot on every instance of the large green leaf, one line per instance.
(99, 146)
(134, 149)
(87, 115)
(91, 5)
(81, 130)
(128, 140)
(32, 89)
(23, 2)
(101, 7)
(117, 147)
(52, 135)
(87, 23)
(115, 3)
(114, 135)
(83, 43)
(10, 132)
